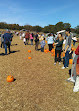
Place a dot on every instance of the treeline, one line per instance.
(47, 29)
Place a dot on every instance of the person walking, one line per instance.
(36, 41)
(27, 35)
(7, 37)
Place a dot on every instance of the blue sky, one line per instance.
(40, 12)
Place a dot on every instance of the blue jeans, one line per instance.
(5, 45)
(66, 59)
(42, 49)
(31, 41)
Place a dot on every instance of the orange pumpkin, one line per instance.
(73, 49)
(53, 50)
(29, 51)
(70, 61)
(63, 54)
(10, 78)
(71, 45)
(47, 50)
(46, 41)
(29, 58)
(53, 54)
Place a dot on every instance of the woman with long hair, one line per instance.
(58, 49)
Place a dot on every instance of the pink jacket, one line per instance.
(31, 36)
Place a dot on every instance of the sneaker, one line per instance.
(59, 63)
(55, 63)
(71, 80)
(75, 90)
(63, 67)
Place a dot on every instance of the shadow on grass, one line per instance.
(14, 44)
(14, 80)
(2, 54)
(15, 51)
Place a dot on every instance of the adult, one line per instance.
(7, 37)
(31, 38)
(36, 41)
(11, 37)
(2, 40)
(75, 70)
(50, 42)
(58, 49)
(67, 48)
(74, 40)
(27, 35)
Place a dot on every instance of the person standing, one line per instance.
(7, 37)
(31, 38)
(2, 40)
(50, 42)
(42, 43)
(58, 49)
(36, 41)
(67, 48)
(27, 35)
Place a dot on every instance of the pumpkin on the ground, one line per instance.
(29, 51)
(70, 61)
(29, 58)
(53, 50)
(10, 78)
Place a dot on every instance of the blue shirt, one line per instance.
(42, 43)
(7, 37)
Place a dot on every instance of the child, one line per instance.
(24, 40)
(58, 49)
(42, 43)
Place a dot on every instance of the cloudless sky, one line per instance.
(39, 12)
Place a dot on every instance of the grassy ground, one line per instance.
(39, 85)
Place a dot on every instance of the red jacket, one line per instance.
(27, 35)
(77, 53)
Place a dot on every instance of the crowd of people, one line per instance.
(54, 42)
